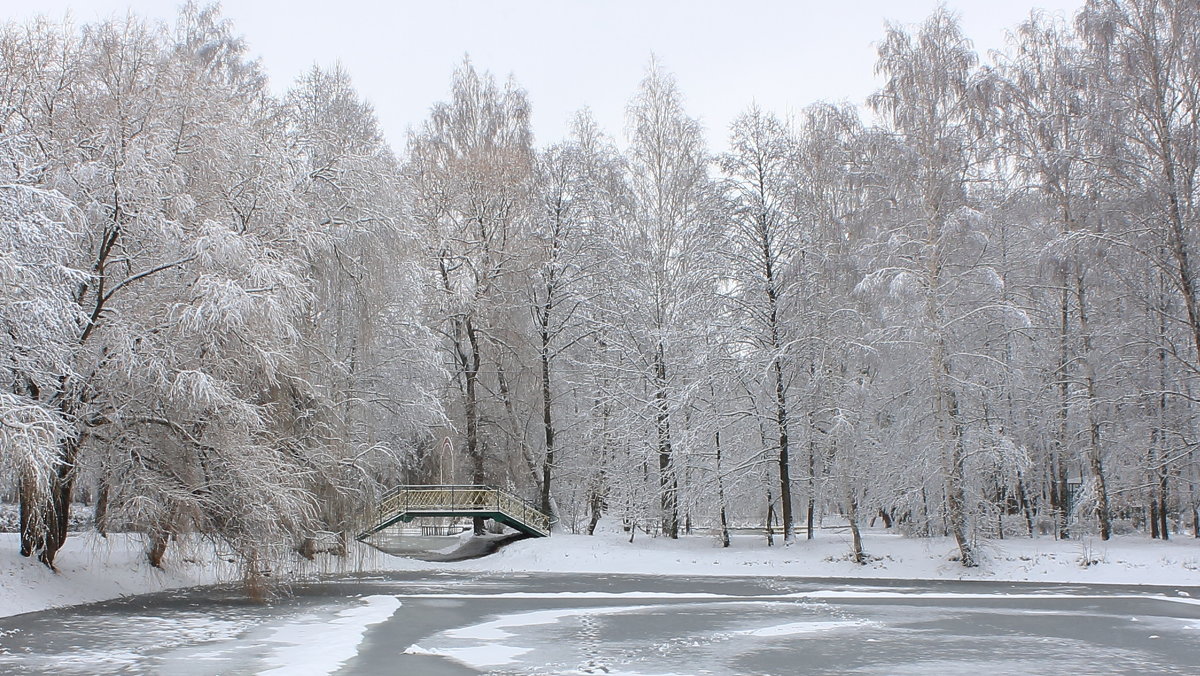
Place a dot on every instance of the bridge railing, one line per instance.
(462, 499)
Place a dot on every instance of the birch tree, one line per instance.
(927, 101)
(470, 169)
(668, 245)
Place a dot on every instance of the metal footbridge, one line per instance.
(404, 503)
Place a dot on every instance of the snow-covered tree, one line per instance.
(668, 289)
(927, 98)
(471, 169)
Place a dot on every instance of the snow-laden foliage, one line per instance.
(166, 277)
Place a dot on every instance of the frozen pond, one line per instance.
(455, 623)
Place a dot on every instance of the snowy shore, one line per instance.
(92, 568)
(1122, 560)
(95, 569)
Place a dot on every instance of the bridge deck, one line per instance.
(403, 503)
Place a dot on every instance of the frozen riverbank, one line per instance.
(93, 569)
(1122, 560)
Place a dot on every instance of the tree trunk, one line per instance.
(595, 503)
(599, 483)
(101, 513)
(955, 478)
(856, 548)
(1058, 461)
(810, 517)
(1162, 506)
(44, 525)
(948, 431)
(1159, 441)
(781, 407)
(721, 495)
(158, 548)
(781, 421)
(947, 426)
(307, 548)
(30, 515)
(1094, 453)
(1026, 508)
(547, 419)
(770, 518)
(668, 482)
(469, 362)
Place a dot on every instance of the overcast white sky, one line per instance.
(571, 53)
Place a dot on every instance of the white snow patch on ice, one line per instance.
(321, 646)
(485, 655)
(486, 644)
(794, 628)
(496, 629)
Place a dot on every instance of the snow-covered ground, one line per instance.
(93, 569)
(1122, 560)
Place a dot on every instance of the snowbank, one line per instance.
(1122, 560)
(94, 569)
